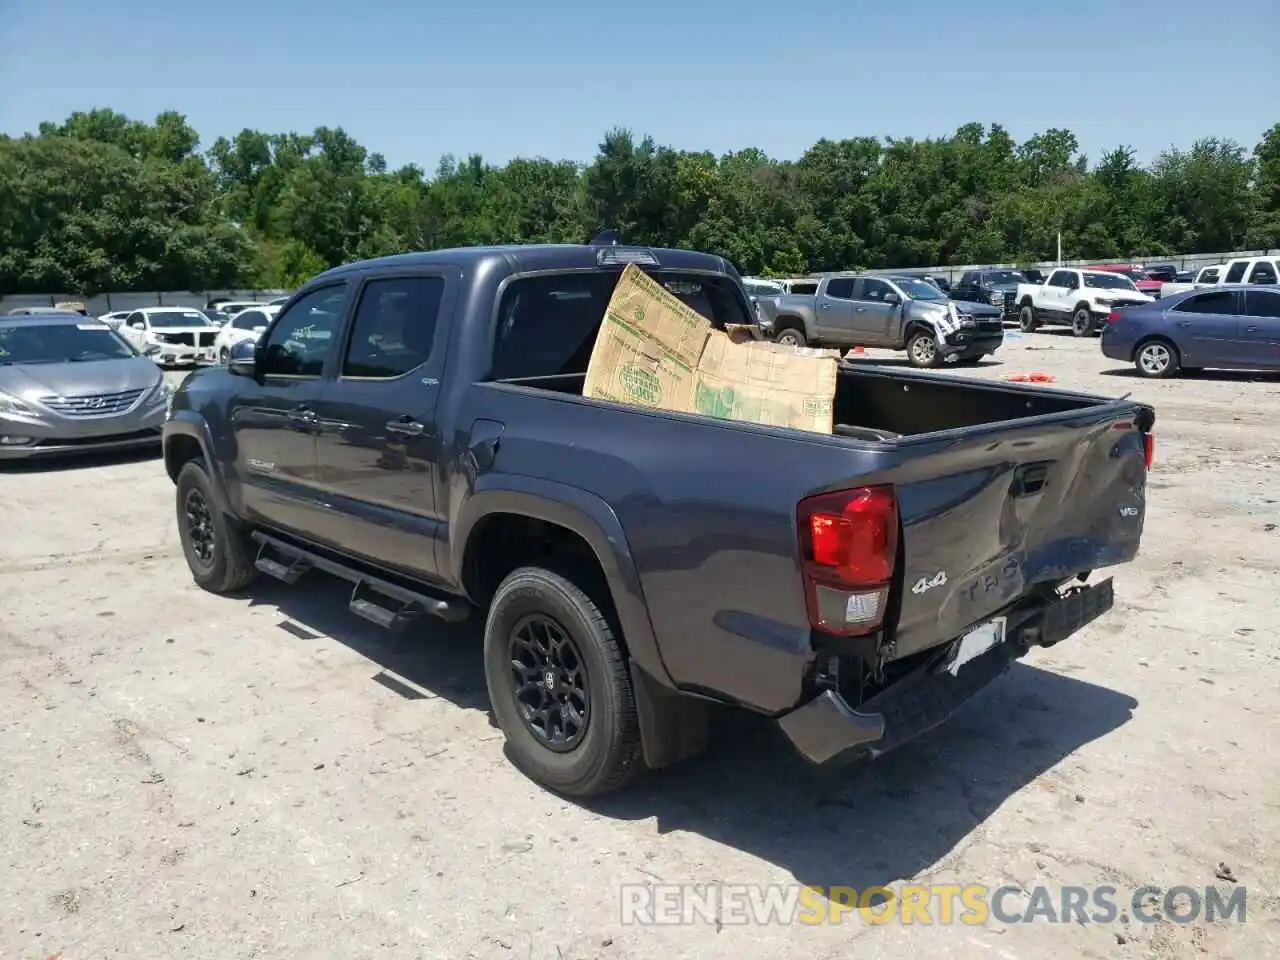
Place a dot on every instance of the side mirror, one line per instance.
(138, 325)
(892, 299)
(243, 359)
(259, 330)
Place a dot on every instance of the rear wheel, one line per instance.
(559, 685)
(922, 349)
(1027, 321)
(224, 356)
(1156, 359)
(791, 336)
(1082, 322)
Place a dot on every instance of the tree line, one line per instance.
(100, 202)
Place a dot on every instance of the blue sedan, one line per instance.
(1231, 328)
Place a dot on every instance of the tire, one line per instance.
(1157, 359)
(791, 335)
(1082, 322)
(922, 350)
(601, 752)
(1027, 321)
(224, 356)
(220, 554)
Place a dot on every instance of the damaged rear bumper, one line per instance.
(826, 730)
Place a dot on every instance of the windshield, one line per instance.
(60, 343)
(1003, 278)
(184, 318)
(919, 289)
(1108, 281)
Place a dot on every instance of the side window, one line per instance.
(394, 328)
(1219, 302)
(968, 279)
(1263, 272)
(1236, 272)
(1060, 278)
(841, 288)
(300, 342)
(1208, 275)
(135, 317)
(804, 287)
(1262, 303)
(249, 319)
(874, 290)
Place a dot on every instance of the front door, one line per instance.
(833, 312)
(379, 443)
(1260, 327)
(1206, 329)
(872, 316)
(273, 417)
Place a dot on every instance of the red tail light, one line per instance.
(848, 548)
(1149, 449)
(1113, 316)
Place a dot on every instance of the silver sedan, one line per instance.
(70, 384)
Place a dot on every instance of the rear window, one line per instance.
(547, 324)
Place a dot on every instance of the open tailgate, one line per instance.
(988, 514)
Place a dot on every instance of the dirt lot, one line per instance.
(200, 777)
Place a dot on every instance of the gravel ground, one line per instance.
(192, 776)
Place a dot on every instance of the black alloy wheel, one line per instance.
(550, 683)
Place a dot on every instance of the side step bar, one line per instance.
(376, 600)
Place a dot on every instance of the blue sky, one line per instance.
(418, 80)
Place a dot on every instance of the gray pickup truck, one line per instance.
(415, 425)
(900, 313)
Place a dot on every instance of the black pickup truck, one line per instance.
(415, 425)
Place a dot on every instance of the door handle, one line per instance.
(1250, 329)
(302, 418)
(824, 306)
(1184, 323)
(859, 309)
(405, 427)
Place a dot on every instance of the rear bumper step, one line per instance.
(827, 731)
(372, 598)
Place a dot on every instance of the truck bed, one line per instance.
(1002, 490)
(884, 403)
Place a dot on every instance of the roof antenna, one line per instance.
(605, 237)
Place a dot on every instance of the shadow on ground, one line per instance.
(1225, 376)
(57, 463)
(861, 826)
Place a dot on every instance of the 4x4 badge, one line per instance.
(928, 583)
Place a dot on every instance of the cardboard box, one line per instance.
(653, 350)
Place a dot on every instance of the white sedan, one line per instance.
(245, 325)
(171, 335)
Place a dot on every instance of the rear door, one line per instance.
(379, 443)
(1206, 329)
(987, 514)
(833, 311)
(1260, 327)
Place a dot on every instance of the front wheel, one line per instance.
(922, 349)
(559, 685)
(218, 551)
(224, 356)
(1082, 323)
(791, 337)
(1027, 321)
(1156, 359)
